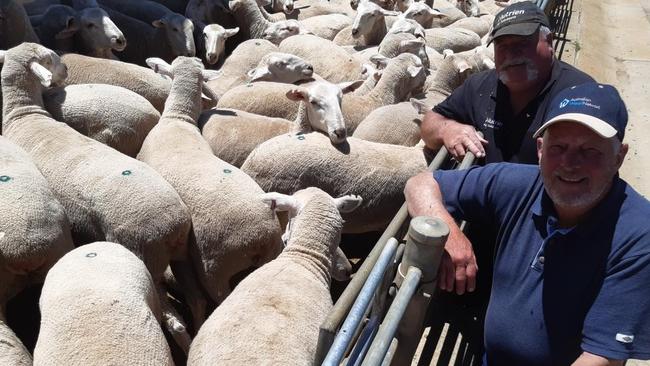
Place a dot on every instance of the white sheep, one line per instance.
(376, 171)
(99, 306)
(308, 9)
(479, 26)
(369, 26)
(270, 99)
(34, 234)
(281, 67)
(324, 26)
(276, 321)
(138, 79)
(106, 194)
(371, 75)
(234, 71)
(456, 39)
(397, 124)
(121, 124)
(210, 40)
(232, 230)
(330, 61)
(401, 76)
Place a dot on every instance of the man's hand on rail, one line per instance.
(458, 266)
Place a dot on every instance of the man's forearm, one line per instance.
(423, 198)
(589, 359)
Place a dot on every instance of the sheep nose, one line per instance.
(212, 57)
(354, 31)
(288, 8)
(340, 133)
(310, 68)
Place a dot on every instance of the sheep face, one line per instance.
(278, 31)
(285, 6)
(215, 37)
(179, 31)
(416, 47)
(368, 14)
(98, 31)
(422, 13)
(281, 67)
(323, 103)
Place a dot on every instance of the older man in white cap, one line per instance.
(571, 279)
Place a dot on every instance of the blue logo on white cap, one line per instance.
(564, 103)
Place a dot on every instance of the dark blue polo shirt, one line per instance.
(558, 292)
(484, 102)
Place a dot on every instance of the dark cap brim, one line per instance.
(520, 29)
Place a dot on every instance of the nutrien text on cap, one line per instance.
(519, 19)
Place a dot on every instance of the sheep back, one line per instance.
(377, 172)
(121, 124)
(266, 98)
(397, 124)
(99, 306)
(138, 79)
(233, 134)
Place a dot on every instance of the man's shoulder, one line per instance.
(569, 75)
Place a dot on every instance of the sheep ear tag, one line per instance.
(348, 203)
(44, 75)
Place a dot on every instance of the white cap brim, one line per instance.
(599, 126)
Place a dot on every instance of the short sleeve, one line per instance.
(617, 325)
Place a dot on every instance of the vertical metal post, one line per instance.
(424, 247)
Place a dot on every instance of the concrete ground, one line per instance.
(610, 40)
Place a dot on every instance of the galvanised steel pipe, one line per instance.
(360, 306)
(364, 342)
(388, 327)
(342, 306)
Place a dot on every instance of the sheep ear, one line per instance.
(208, 94)
(488, 63)
(348, 203)
(159, 23)
(414, 70)
(70, 29)
(419, 106)
(350, 86)
(411, 45)
(211, 74)
(280, 202)
(159, 66)
(379, 60)
(436, 13)
(231, 32)
(258, 73)
(389, 12)
(462, 65)
(341, 266)
(447, 52)
(43, 74)
(297, 94)
(233, 5)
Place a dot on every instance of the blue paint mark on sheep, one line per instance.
(4, 178)
(301, 137)
(126, 172)
(91, 255)
(227, 171)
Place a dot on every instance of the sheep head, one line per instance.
(214, 38)
(322, 101)
(179, 32)
(368, 14)
(42, 62)
(281, 67)
(278, 31)
(98, 31)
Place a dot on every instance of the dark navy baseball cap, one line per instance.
(519, 19)
(597, 106)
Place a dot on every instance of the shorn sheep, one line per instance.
(106, 194)
(232, 229)
(273, 315)
(34, 234)
(288, 163)
(99, 306)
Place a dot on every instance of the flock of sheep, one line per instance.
(172, 163)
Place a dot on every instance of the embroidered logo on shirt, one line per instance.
(490, 123)
(624, 338)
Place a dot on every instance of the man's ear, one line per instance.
(540, 145)
(280, 202)
(622, 152)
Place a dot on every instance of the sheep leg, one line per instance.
(188, 282)
(173, 322)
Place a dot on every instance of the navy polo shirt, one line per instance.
(484, 102)
(558, 292)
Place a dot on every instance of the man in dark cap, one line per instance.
(509, 103)
(572, 268)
